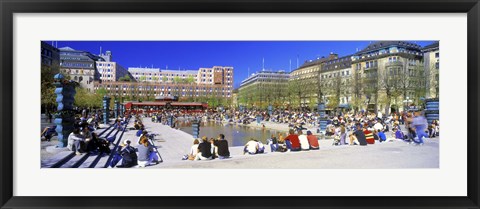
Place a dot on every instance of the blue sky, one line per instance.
(242, 55)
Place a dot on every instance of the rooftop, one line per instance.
(435, 45)
(386, 44)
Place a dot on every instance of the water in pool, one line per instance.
(236, 135)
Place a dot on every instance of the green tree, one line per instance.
(164, 79)
(125, 78)
(177, 79)
(47, 88)
(190, 79)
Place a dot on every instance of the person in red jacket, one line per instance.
(292, 141)
(369, 136)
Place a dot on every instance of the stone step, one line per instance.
(58, 160)
(101, 161)
(75, 161)
(92, 160)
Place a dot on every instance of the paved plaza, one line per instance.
(173, 144)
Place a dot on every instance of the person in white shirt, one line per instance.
(76, 142)
(193, 150)
(304, 145)
(251, 147)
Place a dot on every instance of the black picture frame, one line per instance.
(10, 7)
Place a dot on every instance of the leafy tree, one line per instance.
(190, 79)
(142, 78)
(47, 88)
(164, 79)
(177, 79)
(125, 78)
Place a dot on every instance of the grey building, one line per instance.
(80, 66)
(50, 56)
(264, 88)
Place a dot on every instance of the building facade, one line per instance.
(388, 74)
(80, 66)
(431, 58)
(216, 75)
(305, 86)
(152, 82)
(50, 56)
(336, 82)
(264, 88)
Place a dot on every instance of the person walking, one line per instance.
(419, 123)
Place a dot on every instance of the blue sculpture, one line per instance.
(65, 116)
(322, 117)
(116, 108)
(122, 110)
(106, 109)
(196, 128)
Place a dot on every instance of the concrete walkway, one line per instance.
(173, 144)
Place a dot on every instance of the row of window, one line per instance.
(69, 64)
(46, 52)
(336, 74)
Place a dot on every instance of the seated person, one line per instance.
(292, 141)
(360, 135)
(369, 136)
(273, 142)
(204, 150)
(147, 154)
(382, 137)
(102, 144)
(222, 147)
(93, 143)
(312, 141)
(251, 147)
(93, 122)
(398, 134)
(48, 133)
(304, 145)
(76, 142)
(193, 150)
(118, 125)
(137, 125)
(129, 155)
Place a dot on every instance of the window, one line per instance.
(437, 65)
(437, 55)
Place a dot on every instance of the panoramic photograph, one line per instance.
(366, 104)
